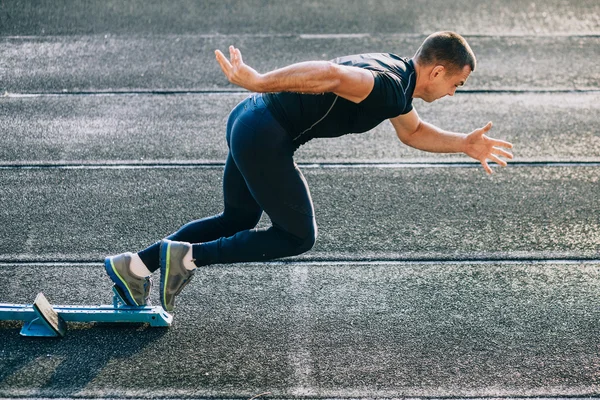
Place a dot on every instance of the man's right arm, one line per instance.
(351, 83)
(414, 132)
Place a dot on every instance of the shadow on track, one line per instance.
(64, 367)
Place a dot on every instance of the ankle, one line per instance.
(138, 267)
(189, 261)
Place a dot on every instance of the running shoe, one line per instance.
(173, 274)
(136, 290)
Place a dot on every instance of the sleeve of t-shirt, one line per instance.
(387, 94)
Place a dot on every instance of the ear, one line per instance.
(437, 71)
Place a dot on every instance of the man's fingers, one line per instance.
(238, 55)
(486, 166)
(482, 131)
(232, 53)
(223, 61)
(222, 65)
(219, 56)
(497, 160)
(478, 133)
(502, 153)
(502, 143)
(235, 55)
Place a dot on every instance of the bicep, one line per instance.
(355, 84)
(406, 125)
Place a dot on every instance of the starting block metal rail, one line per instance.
(44, 320)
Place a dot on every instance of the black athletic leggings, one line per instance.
(260, 175)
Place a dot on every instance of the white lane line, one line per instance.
(302, 264)
(300, 357)
(342, 35)
(311, 36)
(350, 165)
(236, 92)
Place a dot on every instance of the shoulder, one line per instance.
(386, 66)
(374, 61)
(395, 74)
(393, 87)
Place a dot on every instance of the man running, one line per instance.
(291, 106)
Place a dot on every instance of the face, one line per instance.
(444, 83)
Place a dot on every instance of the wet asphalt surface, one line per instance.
(428, 279)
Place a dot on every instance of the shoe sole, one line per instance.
(164, 271)
(165, 267)
(118, 281)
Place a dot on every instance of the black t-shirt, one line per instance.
(307, 116)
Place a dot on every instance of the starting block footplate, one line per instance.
(44, 320)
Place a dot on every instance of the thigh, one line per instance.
(236, 193)
(235, 189)
(282, 192)
(263, 153)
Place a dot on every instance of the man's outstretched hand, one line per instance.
(236, 71)
(481, 147)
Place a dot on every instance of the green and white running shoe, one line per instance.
(173, 274)
(136, 290)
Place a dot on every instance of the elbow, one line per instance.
(408, 138)
(334, 77)
(404, 138)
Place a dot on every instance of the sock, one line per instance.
(138, 267)
(188, 260)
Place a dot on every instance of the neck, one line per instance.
(421, 76)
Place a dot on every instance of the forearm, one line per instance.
(305, 77)
(435, 140)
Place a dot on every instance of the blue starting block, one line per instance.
(44, 320)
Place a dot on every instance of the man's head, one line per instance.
(444, 62)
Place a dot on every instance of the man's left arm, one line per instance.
(414, 132)
(313, 77)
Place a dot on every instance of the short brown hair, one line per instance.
(448, 49)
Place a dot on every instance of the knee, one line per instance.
(236, 219)
(307, 243)
(307, 240)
